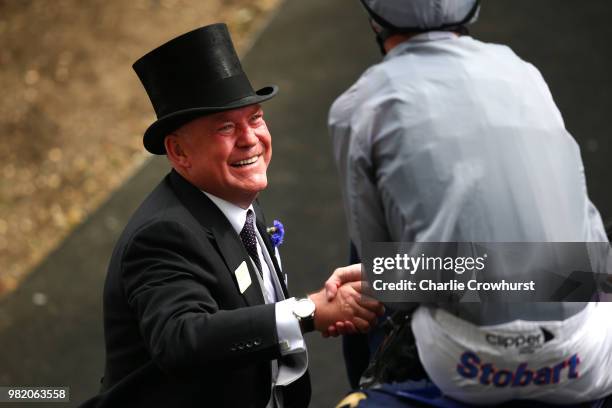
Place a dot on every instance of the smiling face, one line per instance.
(225, 154)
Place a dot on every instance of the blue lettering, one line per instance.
(487, 370)
(469, 365)
(573, 366)
(522, 377)
(557, 371)
(487, 374)
(543, 376)
(497, 378)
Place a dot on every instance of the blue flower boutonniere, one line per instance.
(277, 233)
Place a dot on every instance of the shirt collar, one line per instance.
(419, 38)
(236, 215)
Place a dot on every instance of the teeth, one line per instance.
(247, 161)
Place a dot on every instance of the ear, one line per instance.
(175, 150)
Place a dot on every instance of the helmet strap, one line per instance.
(381, 38)
(382, 34)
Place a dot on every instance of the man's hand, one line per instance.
(351, 273)
(349, 307)
(341, 276)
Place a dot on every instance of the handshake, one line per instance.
(341, 307)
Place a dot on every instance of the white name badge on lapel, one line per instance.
(243, 277)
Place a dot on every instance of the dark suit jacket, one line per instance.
(178, 331)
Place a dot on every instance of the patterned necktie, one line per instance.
(249, 239)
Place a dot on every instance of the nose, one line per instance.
(247, 137)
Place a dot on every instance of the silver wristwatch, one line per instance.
(304, 311)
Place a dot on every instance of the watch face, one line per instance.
(304, 308)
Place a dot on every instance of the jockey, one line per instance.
(450, 139)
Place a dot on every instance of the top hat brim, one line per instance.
(154, 136)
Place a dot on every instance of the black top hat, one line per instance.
(195, 74)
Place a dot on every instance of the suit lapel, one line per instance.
(218, 228)
(261, 226)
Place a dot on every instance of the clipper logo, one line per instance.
(470, 366)
(526, 343)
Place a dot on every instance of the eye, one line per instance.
(226, 128)
(256, 118)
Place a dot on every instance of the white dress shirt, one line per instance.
(290, 337)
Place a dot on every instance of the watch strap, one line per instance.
(306, 324)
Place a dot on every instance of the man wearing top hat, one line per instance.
(196, 309)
